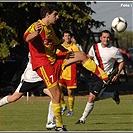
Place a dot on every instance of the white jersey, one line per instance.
(29, 75)
(107, 56)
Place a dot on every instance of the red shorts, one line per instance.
(51, 73)
(69, 84)
(68, 78)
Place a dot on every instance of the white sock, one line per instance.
(87, 110)
(106, 95)
(50, 113)
(3, 101)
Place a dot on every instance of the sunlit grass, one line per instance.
(31, 115)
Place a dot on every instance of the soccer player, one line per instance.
(105, 55)
(29, 81)
(42, 41)
(68, 78)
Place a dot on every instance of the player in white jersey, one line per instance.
(105, 55)
(30, 81)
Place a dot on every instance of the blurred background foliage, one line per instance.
(16, 17)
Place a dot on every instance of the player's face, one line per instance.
(53, 17)
(67, 38)
(105, 39)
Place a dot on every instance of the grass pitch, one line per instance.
(31, 115)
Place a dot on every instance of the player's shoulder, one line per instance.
(75, 47)
(113, 47)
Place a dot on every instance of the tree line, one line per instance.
(16, 17)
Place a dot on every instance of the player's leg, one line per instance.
(88, 64)
(56, 107)
(62, 84)
(88, 108)
(71, 99)
(50, 118)
(95, 88)
(114, 95)
(47, 92)
(63, 104)
(90, 104)
(12, 98)
(102, 95)
(21, 89)
(50, 124)
(47, 73)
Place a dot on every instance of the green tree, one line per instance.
(8, 38)
(125, 39)
(75, 16)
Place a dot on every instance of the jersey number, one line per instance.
(52, 78)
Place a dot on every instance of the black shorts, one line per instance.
(29, 86)
(96, 85)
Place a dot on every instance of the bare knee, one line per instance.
(47, 92)
(56, 94)
(91, 98)
(70, 92)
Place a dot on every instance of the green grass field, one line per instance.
(31, 115)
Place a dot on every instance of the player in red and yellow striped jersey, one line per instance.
(68, 78)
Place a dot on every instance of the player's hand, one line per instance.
(47, 42)
(115, 78)
(70, 54)
(38, 27)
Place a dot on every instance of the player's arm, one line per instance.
(120, 68)
(60, 47)
(37, 29)
(120, 60)
(89, 56)
(91, 53)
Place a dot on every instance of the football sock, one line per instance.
(106, 95)
(4, 101)
(71, 103)
(93, 67)
(62, 101)
(50, 117)
(57, 114)
(87, 110)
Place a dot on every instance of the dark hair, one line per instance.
(48, 8)
(66, 31)
(105, 31)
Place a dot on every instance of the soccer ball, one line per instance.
(119, 24)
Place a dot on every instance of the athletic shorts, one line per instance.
(51, 73)
(29, 86)
(68, 78)
(96, 85)
(69, 84)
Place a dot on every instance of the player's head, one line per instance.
(67, 35)
(106, 31)
(105, 37)
(49, 11)
(66, 31)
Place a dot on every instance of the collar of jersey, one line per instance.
(67, 45)
(42, 22)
